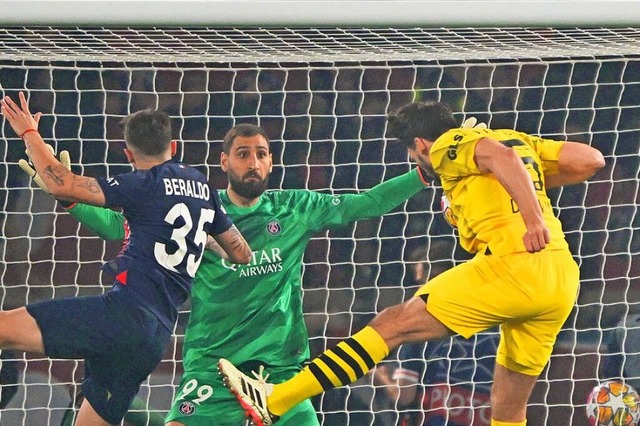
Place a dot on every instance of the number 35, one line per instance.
(179, 236)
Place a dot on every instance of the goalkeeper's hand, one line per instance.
(24, 165)
(447, 212)
(472, 123)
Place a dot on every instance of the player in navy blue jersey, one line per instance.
(453, 387)
(171, 211)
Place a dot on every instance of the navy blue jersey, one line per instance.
(170, 209)
(455, 360)
(456, 376)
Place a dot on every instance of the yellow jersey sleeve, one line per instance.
(485, 214)
(548, 150)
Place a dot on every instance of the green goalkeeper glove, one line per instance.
(472, 123)
(24, 165)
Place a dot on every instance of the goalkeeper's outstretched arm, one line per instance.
(105, 223)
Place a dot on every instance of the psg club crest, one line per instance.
(187, 408)
(274, 228)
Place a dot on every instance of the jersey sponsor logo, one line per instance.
(186, 188)
(335, 201)
(452, 152)
(187, 408)
(274, 228)
(262, 262)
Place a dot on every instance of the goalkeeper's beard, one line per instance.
(248, 189)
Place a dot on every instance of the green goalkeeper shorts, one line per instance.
(203, 400)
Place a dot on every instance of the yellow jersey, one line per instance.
(485, 213)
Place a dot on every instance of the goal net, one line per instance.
(322, 95)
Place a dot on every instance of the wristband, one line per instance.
(423, 176)
(66, 204)
(27, 131)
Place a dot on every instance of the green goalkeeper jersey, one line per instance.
(253, 313)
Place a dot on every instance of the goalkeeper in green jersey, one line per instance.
(252, 314)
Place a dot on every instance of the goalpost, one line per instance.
(322, 94)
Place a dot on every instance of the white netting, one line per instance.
(311, 44)
(322, 95)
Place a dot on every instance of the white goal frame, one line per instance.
(445, 13)
(186, 35)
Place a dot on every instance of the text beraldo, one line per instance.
(186, 188)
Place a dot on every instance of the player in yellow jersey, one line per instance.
(522, 277)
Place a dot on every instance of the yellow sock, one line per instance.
(344, 364)
(497, 423)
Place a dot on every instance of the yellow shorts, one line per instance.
(529, 295)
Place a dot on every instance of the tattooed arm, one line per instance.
(230, 245)
(61, 182)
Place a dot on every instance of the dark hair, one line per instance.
(148, 131)
(244, 130)
(428, 120)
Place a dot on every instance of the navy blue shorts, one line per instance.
(120, 341)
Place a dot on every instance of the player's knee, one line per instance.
(7, 330)
(396, 322)
(409, 322)
(18, 330)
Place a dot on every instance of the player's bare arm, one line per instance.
(215, 247)
(89, 184)
(231, 246)
(505, 164)
(61, 182)
(53, 174)
(577, 162)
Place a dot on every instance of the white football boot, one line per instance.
(251, 393)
